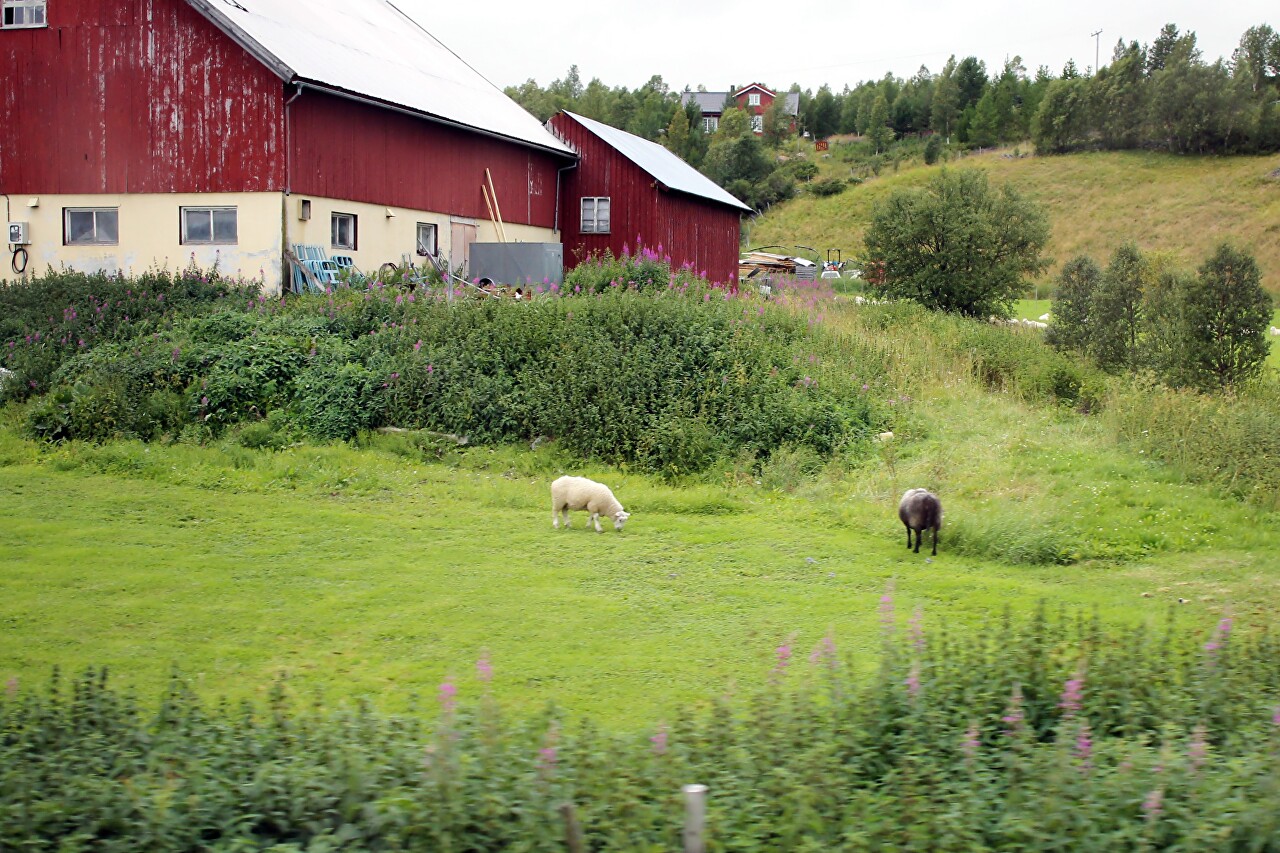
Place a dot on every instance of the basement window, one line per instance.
(90, 226)
(426, 239)
(343, 229)
(595, 215)
(24, 14)
(209, 226)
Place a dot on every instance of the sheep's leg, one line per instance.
(555, 517)
(935, 541)
(595, 519)
(919, 540)
(908, 536)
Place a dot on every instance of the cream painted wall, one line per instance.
(381, 238)
(150, 234)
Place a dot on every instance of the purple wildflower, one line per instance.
(484, 668)
(969, 746)
(886, 608)
(826, 650)
(1084, 744)
(1153, 804)
(913, 680)
(448, 694)
(1013, 716)
(1198, 749)
(1220, 635)
(659, 740)
(1072, 694)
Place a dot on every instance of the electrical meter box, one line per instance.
(19, 233)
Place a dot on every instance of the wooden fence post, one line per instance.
(695, 818)
(573, 839)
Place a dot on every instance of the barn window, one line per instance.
(21, 14)
(209, 225)
(753, 100)
(343, 229)
(427, 239)
(595, 215)
(91, 226)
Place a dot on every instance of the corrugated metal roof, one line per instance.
(372, 49)
(667, 168)
(708, 102)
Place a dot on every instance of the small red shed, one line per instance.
(628, 193)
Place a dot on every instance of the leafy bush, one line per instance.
(1054, 734)
(827, 187)
(47, 320)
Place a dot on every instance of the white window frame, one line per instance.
(24, 14)
(710, 124)
(187, 238)
(95, 239)
(431, 245)
(335, 236)
(753, 99)
(592, 208)
(757, 124)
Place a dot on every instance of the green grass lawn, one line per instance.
(367, 572)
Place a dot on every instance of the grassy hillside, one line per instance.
(1096, 201)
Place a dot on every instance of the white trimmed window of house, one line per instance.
(595, 215)
(757, 124)
(23, 14)
(216, 226)
(427, 239)
(753, 99)
(710, 124)
(90, 226)
(343, 231)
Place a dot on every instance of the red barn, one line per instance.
(139, 132)
(630, 193)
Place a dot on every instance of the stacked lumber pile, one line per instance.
(756, 264)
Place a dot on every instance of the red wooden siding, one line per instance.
(135, 96)
(690, 229)
(348, 150)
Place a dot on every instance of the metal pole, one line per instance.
(1097, 50)
(695, 818)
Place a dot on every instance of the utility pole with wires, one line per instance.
(1097, 50)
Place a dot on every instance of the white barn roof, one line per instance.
(670, 170)
(370, 48)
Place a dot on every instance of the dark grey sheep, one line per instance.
(920, 510)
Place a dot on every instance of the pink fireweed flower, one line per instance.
(783, 653)
(1072, 694)
(1013, 716)
(825, 650)
(969, 746)
(1153, 804)
(1198, 749)
(913, 680)
(917, 629)
(1084, 744)
(484, 668)
(448, 694)
(1220, 635)
(547, 757)
(1275, 717)
(886, 608)
(659, 740)
(430, 369)
(417, 346)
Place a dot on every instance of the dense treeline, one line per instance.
(1162, 95)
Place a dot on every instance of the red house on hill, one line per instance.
(630, 191)
(754, 99)
(141, 132)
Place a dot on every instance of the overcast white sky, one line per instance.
(718, 43)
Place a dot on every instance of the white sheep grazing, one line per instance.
(1275, 331)
(569, 493)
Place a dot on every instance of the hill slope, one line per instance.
(1096, 201)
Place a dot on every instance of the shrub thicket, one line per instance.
(656, 371)
(46, 320)
(1056, 734)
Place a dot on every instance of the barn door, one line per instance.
(462, 235)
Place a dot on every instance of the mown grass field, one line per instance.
(372, 571)
(1095, 201)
